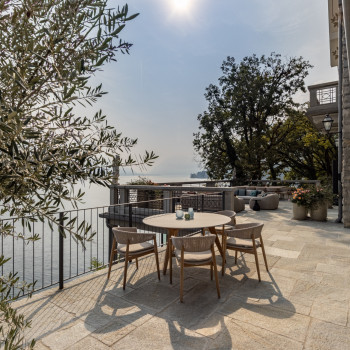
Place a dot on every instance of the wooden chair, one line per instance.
(232, 215)
(245, 238)
(194, 251)
(132, 245)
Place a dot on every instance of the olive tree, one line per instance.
(49, 52)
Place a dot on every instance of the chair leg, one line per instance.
(211, 271)
(236, 253)
(224, 237)
(156, 254)
(170, 261)
(182, 276)
(126, 265)
(256, 258)
(137, 263)
(166, 255)
(111, 258)
(263, 251)
(215, 271)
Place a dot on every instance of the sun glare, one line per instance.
(181, 5)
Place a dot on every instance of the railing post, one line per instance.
(202, 204)
(223, 200)
(60, 251)
(110, 242)
(173, 204)
(130, 215)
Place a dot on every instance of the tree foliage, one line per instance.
(244, 128)
(49, 51)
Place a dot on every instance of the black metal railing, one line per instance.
(57, 256)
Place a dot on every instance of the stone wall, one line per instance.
(346, 139)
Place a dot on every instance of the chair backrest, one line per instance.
(194, 244)
(245, 231)
(125, 234)
(230, 213)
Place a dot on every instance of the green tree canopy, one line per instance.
(243, 130)
(49, 50)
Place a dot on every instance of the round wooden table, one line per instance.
(173, 225)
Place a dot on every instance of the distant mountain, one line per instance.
(200, 175)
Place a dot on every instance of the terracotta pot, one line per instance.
(299, 212)
(320, 213)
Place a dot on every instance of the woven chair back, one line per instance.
(125, 234)
(194, 244)
(245, 231)
(230, 213)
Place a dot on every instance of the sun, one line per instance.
(181, 5)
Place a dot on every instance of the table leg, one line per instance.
(168, 256)
(217, 241)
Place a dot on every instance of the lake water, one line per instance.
(39, 261)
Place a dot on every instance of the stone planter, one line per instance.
(299, 212)
(319, 213)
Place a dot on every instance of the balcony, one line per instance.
(323, 100)
(303, 301)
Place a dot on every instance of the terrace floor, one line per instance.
(302, 303)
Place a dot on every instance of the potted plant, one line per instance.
(301, 203)
(319, 198)
(147, 195)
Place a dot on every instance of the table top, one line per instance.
(201, 220)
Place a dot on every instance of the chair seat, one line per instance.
(241, 243)
(194, 257)
(135, 248)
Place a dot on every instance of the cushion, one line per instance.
(241, 243)
(258, 192)
(254, 193)
(194, 257)
(135, 248)
(264, 195)
(241, 192)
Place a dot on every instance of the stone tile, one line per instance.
(153, 295)
(113, 332)
(45, 319)
(276, 237)
(295, 245)
(327, 336)
(309, 290)
(330, 311)
(298, 265)
(291, 325)
(284, 253)
(40, 346)
(103, 310)
(89, 343)
(66, 337)
(173, 336)
(198, 303)
(235, 334)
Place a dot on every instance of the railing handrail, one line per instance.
(172, 188)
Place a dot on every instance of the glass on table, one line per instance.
(191, 212)
(179, 214)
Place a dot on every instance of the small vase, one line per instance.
(299, 212)
(320, 213)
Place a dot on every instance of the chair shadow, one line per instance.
(181, 329)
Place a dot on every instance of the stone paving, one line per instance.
(303, 302)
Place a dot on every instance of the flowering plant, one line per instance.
(319, 196)
(301, 197)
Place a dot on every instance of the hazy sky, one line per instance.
(156, 92)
